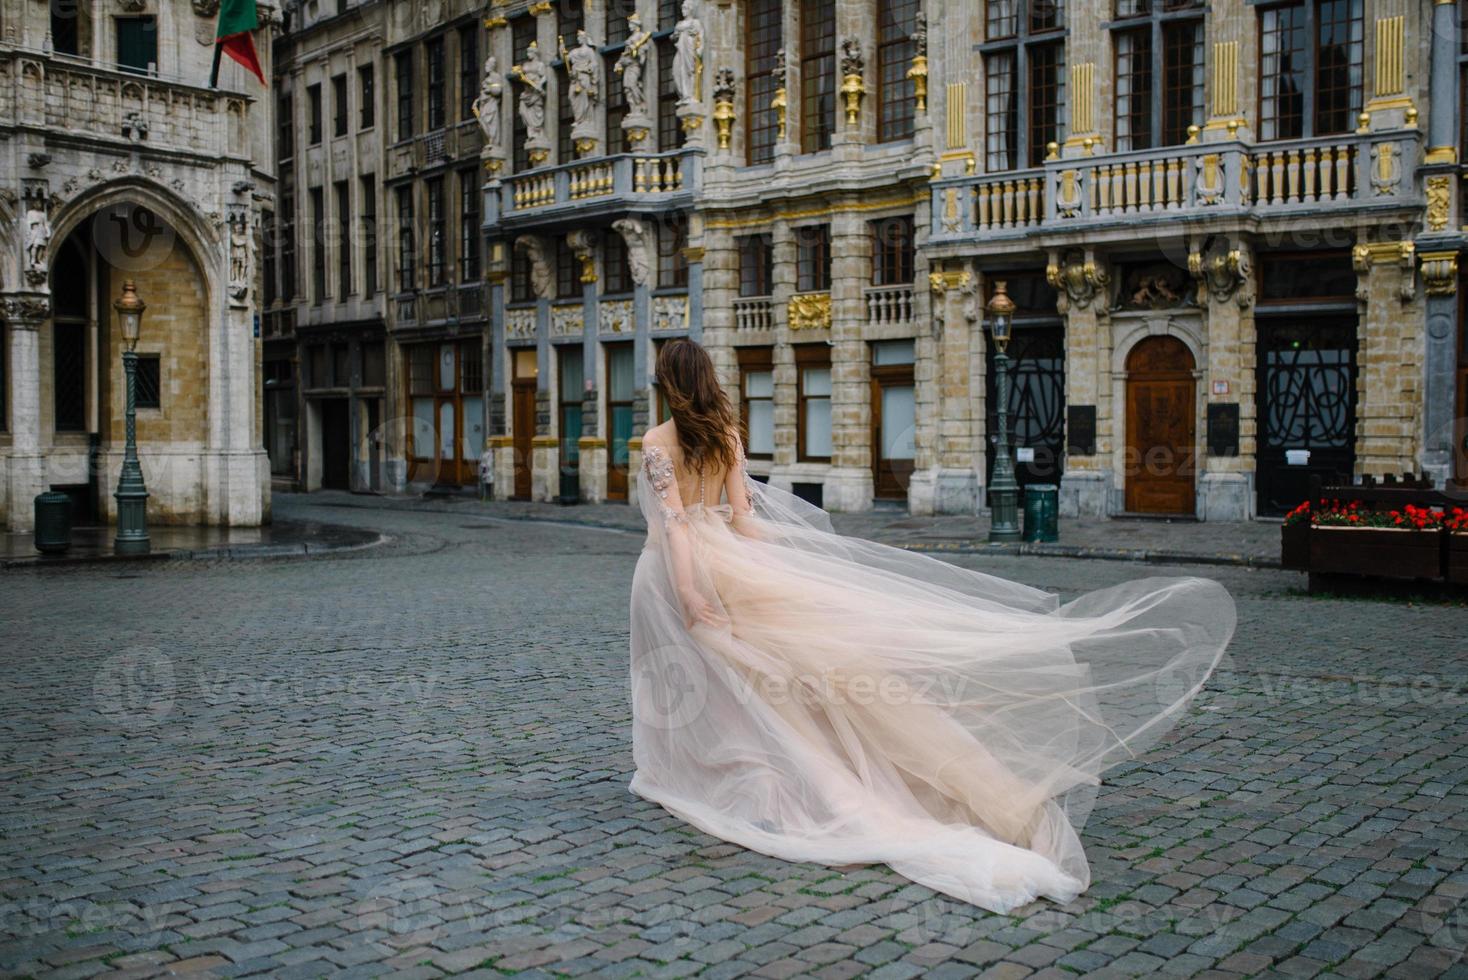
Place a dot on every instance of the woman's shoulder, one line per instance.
(658, 435)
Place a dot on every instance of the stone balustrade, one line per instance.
(1229, 177)
(754, 313)
(644, 177)
(889, 305)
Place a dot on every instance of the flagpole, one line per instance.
(214, 72)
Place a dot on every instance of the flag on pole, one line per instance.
(233, 36)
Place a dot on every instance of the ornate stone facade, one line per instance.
(122, 164)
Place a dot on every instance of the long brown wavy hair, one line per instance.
(702, 415)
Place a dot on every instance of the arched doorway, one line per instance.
(124, 240)
(1161, 454)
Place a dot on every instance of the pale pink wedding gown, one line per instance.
(863, 703)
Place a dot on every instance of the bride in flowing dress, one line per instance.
(822, 698)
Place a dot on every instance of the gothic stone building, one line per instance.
(120, 163)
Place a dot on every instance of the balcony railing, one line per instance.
(105, 103)
(754, 313)
(889, 305)
(1160, 185)
(639, 176)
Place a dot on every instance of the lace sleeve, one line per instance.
(745, 480)
(658, 467)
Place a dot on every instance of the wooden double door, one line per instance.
(1161, 428)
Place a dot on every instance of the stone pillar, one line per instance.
(720, 279)
(1442, 122)
(1085, 487)
(24, 314)
(948, 475)
(1390, 350)
(1225, 483)
(849, 483)
(1439, 393)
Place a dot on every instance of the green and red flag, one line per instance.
(235, 37)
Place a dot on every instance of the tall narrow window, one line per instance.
(407, 269)
(817, 74)
(813, 258)
(763, 39)
(757, 400)
(896, 22)
(403, 70)
(369, 235)
(313, 109)
(1024, 81)
(285, 126)
(437, 231)
(813, 402)
(616, 272)
(367, 96)
(1310, 67)
(69, 340)
(568, 284)
(318, 245)
(469, 230)
(433, 54)
(569, 376)
(572, 19)
(339, 105)
(756, 265)
(616, 94)
(1158, 55)
(893, 248)
(137, 44)
(65, 37)
(468, 71)
(343, 193)
(672, 264)
(522, 289)
(287, 178)
(522, 33)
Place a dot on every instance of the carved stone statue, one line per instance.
(583, 70)
(532, 76)
(487, 106)
(239, 255)
(37, 241)
(542, 282)
(631, 64)
(688, 56)
(639, 239)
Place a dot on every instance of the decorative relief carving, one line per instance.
(1403, 255)
(615, 316)
(1078, 277)
(1222, 270)
(542, 282)
(520, 323)
(568, 320)
(639, 238)
(1439, 190)
(1440, 273)
(670, 313)
(239, 255)
(809, 311)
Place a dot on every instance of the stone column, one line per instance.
(950, 392)
(1390, 350)
(1085, 487)
(849, 484)
(24, 314)
(1228, 377)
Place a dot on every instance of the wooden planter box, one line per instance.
(1458, 557)
(1294, 546)
(1381, 552)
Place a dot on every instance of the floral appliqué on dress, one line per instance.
(658, 466)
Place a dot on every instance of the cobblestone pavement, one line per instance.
(413, 761)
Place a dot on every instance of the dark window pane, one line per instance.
(147, 384)
(137, 43)
(70, 374)
(763, 39)
(817, 74)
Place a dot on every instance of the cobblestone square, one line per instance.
(412, 760)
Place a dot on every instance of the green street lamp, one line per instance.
(1003, 488)
(131, 495)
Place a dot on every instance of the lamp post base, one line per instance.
(132, 528)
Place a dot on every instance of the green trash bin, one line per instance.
(1042, 512)
(53, 523)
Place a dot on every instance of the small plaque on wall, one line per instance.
(1223, 429)
(1080, 430)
